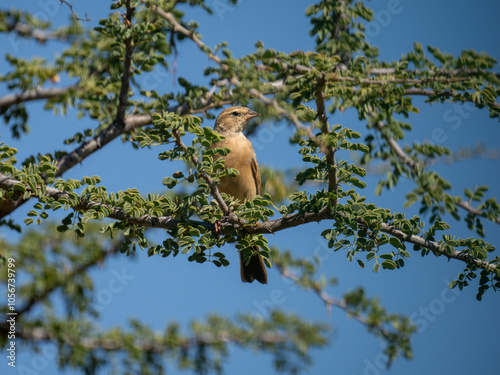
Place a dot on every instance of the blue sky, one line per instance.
(457, 333)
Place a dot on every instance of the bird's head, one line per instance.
(234, 120)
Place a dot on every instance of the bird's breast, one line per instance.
(242, 153)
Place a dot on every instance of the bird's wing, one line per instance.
(256, 175)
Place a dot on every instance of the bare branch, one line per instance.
(178, 28)
(395, 146)
(34, 94)
(86, 19)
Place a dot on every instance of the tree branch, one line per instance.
(76, 156)
(270, 226)
(178, 28)
(337, 302)
(413, 165)
(456, 72)
(34, 94)
(333, 182)
(127, 70)
(132, 122)
(79, 270)
(335, 77)
(165, 222)
(474, 211)
(155, 345)
(41, 36)
(87, 19)
(445, 94)
(395, 146)
(290, 116)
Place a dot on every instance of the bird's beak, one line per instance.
(250, 115)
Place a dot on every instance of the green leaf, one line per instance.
(62, 228)
(20, 187)
(389, 264)
(170, 182)
(194, 232)
(396, 243)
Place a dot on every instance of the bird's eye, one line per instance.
(235, 113)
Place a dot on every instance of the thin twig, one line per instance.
(474, 211)
(178, 28)
(337, 302)
(395, 146)
(86, 19)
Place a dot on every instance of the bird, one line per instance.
(231, 123)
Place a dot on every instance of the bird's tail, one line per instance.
(255, 269)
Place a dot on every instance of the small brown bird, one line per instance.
(230, 123)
